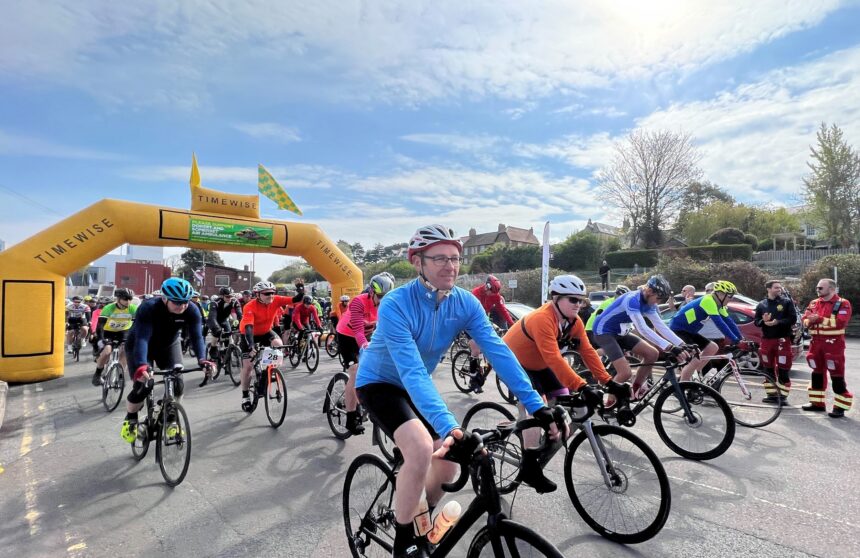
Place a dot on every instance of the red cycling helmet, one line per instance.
(493, 284)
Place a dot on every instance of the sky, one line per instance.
(378, 117)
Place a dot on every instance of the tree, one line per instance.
(647, 180)
(345, 248)
(728, 235)
(700, 194)
(582, 250)
(194, 258)
(357, 252)
(762, 222)
(833, 187)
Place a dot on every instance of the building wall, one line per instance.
(142, 278)
(214, 277)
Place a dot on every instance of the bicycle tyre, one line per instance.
(368, 507)
(335, 406)
(701, 398)
(179, 446)
(140, 445)
(460, 371)
(312, 352)
(385, 444)
(632, 458)
(294, 356)
(330, 344)
(276, 399)
(112, 387)
(506, 454)
(233, 364)
(749, 411)
(505, 391)
(517, 539)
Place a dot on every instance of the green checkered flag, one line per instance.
(269, 187)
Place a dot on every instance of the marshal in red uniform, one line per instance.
(826, 318)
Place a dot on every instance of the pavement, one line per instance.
(70, 487)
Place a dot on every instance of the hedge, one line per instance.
(710, 253)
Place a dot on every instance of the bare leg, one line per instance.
(416, 445)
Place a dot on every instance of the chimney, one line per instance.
(245, 268)
(502, 227)
(472, 232)
(531, 230)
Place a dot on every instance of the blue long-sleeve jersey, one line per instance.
(693, 315)
(413, 332)
(155, 325)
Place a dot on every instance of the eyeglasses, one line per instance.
(820, 288)
(575, 300)
(270, 293)
(179, 302)
(440, 261)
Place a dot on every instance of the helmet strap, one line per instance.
(426, 282)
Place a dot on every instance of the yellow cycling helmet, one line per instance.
(725, 287)
(87, 298)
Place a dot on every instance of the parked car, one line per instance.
(518, 309)
(596, 297)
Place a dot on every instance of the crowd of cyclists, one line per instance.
(391, 340)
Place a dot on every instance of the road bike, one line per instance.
(334, 407)
(329, 341)
(113, 377)
(227, 356)
(692, 419)
(368, 506)
(77, 342)
(167, 423)
(267, 383)
(614, 480)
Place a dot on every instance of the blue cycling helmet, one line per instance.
(176, 289)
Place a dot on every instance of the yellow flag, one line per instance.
(269, 187)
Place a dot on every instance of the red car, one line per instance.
(742, 312)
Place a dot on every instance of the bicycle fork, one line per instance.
(604, 463)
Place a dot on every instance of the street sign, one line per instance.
(512, 283)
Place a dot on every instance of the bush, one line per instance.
(711, 253)
(766, 244)
(748, 278)
(684, 271)
(728, 235)
(751, 239)
(848, 266)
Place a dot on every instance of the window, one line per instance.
(739, 317)
(222, 280)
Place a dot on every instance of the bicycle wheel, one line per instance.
(294, 355)
(507, 454)
(707, 434)
(748, 401)
(386, 445)
(334, 406)
(233, 363)
(368, 507)
(312, 352)
(635, 505)
(460, 371)
(505, 391)
(276, 399)
(330, 344)
(510, 538)
(173, 445)
(140, 445)
(113, 386)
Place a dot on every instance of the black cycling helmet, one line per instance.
(124, 293)
(225, 291)
(308, 299)
(659, 285)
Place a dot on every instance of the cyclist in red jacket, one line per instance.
(491, 300)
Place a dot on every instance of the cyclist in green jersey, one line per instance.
(114, 323)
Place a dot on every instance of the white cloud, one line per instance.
(290, 177)
(755, 138)
(176, 54)
(269, 131)
(27, 146)
(456, 142)
(585, 152)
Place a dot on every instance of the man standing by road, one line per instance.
(775, 315)
(826, 318)
(604, 275)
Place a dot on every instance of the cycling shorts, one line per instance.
(390, 406)
(265, 340)
(614, 345)
(544, 381)
(118, 336)
(693, 339)
(348, 348)
(74, 323)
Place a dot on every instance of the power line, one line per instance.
(32, 201)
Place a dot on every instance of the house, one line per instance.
(217, 276)
(476, 243)
(604, 232)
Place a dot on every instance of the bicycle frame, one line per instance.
(731, 367)
(668, 378)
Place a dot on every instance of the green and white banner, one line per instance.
(236, 234)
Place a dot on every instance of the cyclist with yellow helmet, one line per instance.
(692, 317)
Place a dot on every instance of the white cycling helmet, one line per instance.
(344, 298)
(263, 286)
(567, 285)
(429, 235)
(381, 284)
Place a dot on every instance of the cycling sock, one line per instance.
(245, 393)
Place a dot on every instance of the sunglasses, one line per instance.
(179, 302)
(575, 300)
(271, 293)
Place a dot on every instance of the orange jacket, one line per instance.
(541, 351)
(262, 316)
(339, 309)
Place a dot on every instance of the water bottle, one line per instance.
(422, 521)
(444, 520)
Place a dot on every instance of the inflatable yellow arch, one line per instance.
(33, 272)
